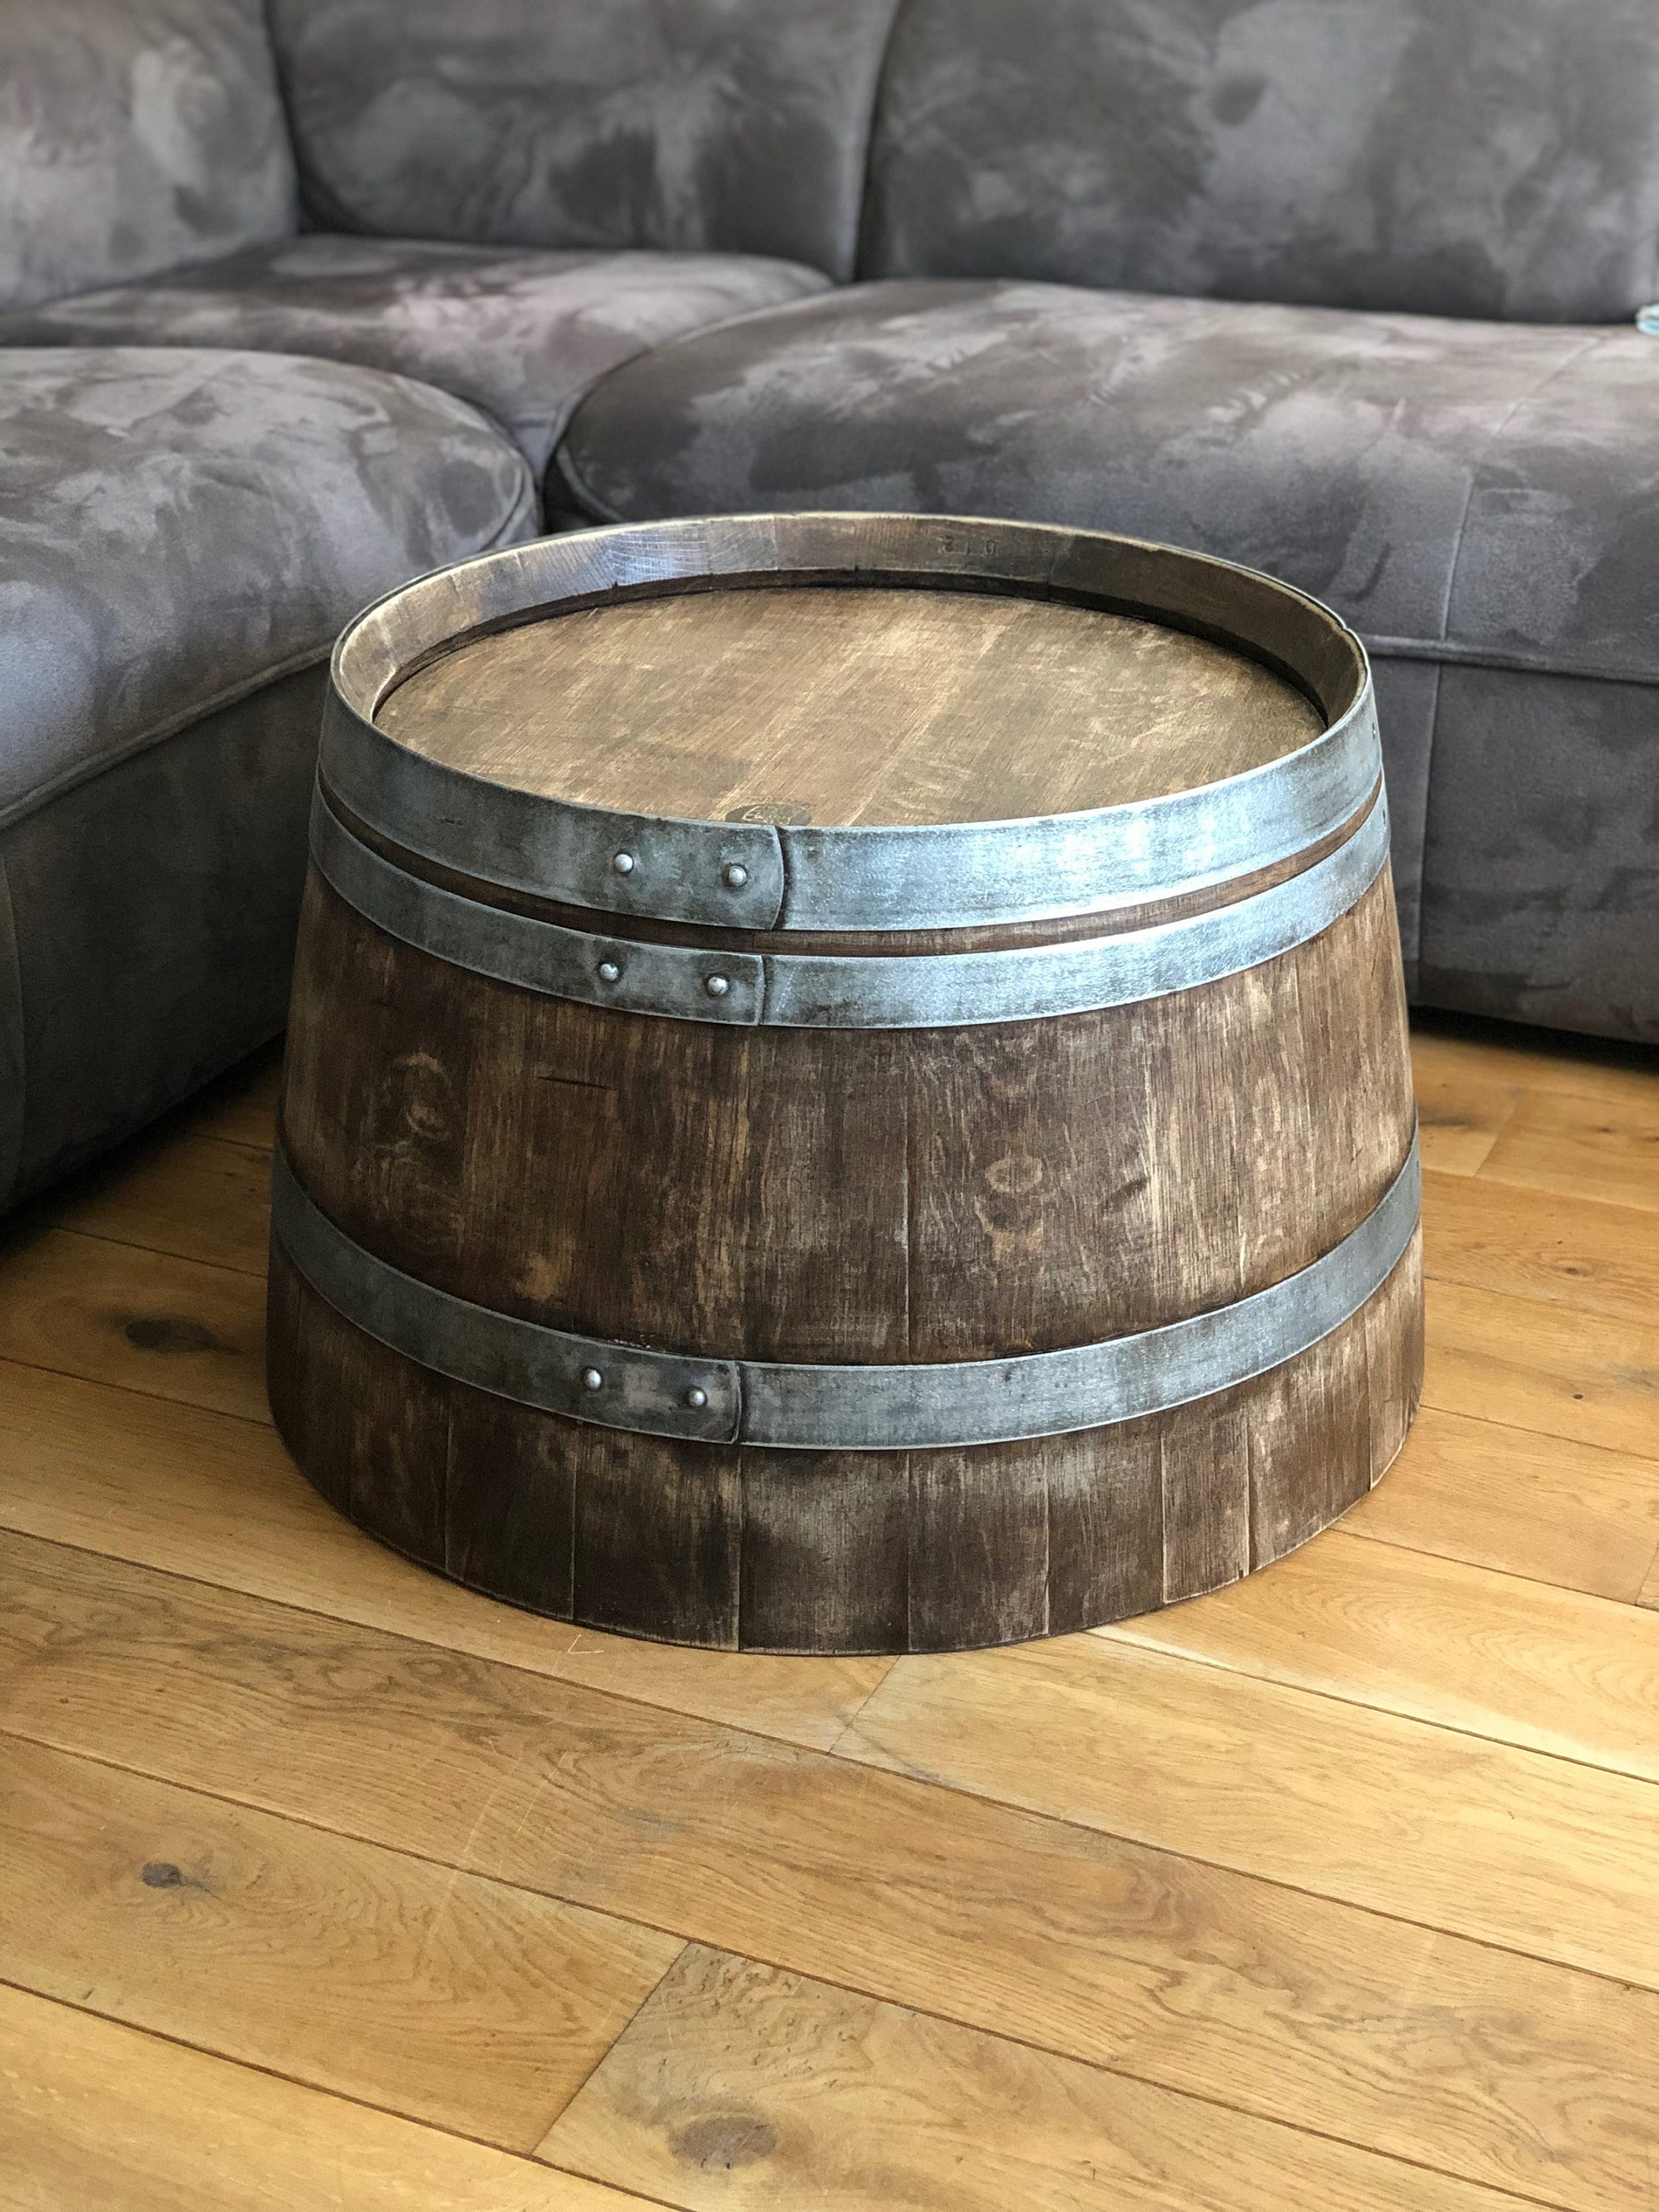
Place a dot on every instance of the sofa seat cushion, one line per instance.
(1461, 490)
(179, 527)
(521, 334)
(1480, 501)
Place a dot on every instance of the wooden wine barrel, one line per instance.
(848, 1086)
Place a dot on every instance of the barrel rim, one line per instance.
(852, 877)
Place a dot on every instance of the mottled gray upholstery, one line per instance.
(1540, 870)
(1459, 489)
(521, 202)
(699, 126)
(153, 911)
(133, 134)
(1475, 499)
(521, 334)
(181, 536)
(1460, 157)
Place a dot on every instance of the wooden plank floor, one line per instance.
(325, 1884)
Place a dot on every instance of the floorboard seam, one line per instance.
(536, 2157)
(1504, 1428)
(1259, 2118)
(945, 1789)
(262, 1422)
(649, 1997)
(853, 1718)
(1335, 1697)
(154, 1252)
(1105, 1635)
(1424, 1551)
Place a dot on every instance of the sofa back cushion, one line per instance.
(133, 134)
(735, 125)
(1466, 157)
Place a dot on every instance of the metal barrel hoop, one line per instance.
(785, 990)
(823, 1407)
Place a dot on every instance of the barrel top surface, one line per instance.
(861, 706)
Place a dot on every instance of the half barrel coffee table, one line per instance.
(847, 1086)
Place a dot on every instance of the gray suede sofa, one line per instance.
(296, 301)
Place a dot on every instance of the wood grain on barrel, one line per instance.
(1394, 1356)
(844, 1194)
(375, 1430)
(847, 705)
(826, 1551)
(509, 1502)
(1105, 1525)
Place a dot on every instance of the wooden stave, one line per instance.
(1043, 1116)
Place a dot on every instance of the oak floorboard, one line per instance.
(1459, 1118)
(1376, 1809)
(153, 1323)
(740, 2089)
(99, 2117)
(1590, 1257)
(1529, 1365)
(1406, 1632)
(1097, 1856)
(1606, 1150)
(1404, 2039)
(194, 1197)
(1585, 1067)
(1541, 1507)
(438, 1994)
(199, 1494)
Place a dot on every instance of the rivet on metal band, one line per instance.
(786, 990)
(837, 1408)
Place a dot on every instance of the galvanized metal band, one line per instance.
(922, 1407)
(785, 990)
(939, 876)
